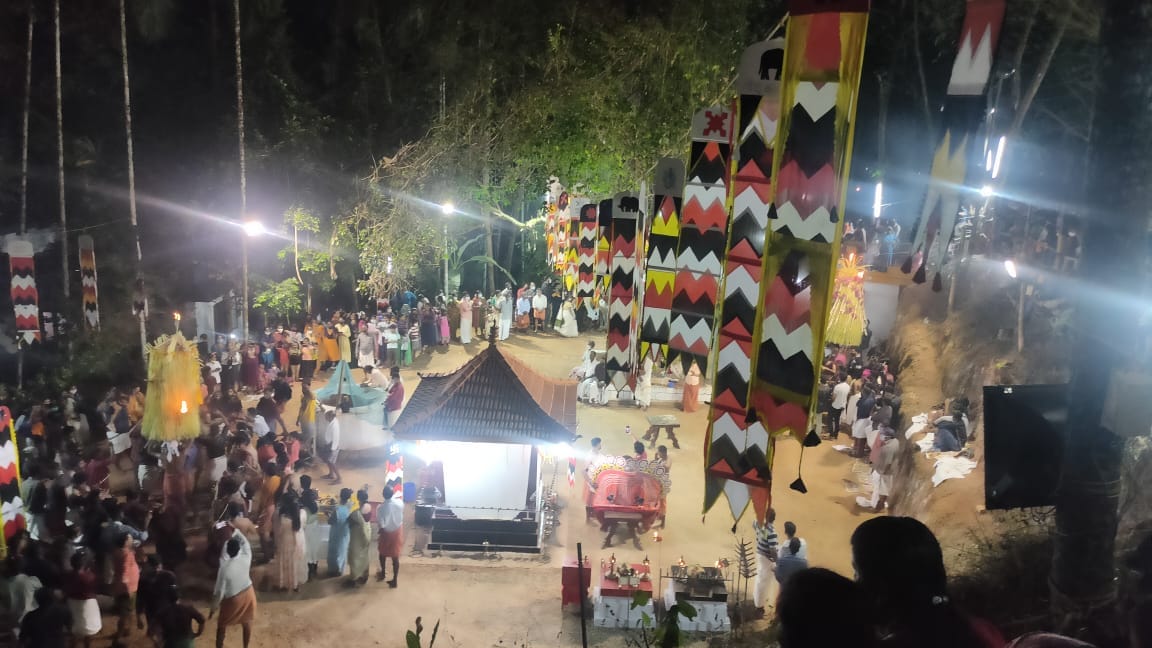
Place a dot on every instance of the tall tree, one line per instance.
(142, 313)
(60, 153)
(243, 167)
(24, 121)
(1113, 266)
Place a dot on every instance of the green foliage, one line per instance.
(412, 639)
(667, 635)
(281, 298)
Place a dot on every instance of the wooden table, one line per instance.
(667, 422)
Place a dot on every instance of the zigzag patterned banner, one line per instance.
(586, 286)
(823, 54)
(660, 265)
(604, 244)
(571, 254)
(88, 281)
(738, 451)
(625, 213)
(703, 237)
(25, 298)
(963, 110)
(394, 469)
(11, 506)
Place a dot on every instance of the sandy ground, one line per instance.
(515, 600)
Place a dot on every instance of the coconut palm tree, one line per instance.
(60, 154)
(142, 313)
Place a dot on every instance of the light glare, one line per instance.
(999, 156)
(1010, 267)
(253, 228)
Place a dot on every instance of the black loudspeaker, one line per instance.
(1024, 439)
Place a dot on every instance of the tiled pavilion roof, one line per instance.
(492, 399)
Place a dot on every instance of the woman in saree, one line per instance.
(250, 368)
(691, 401)
(291, 566)
(359, 540)
(465, 308)
(338, 534)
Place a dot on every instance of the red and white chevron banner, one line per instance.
(738, 449)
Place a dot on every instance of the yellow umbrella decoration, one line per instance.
(172, 403)
(846, 319)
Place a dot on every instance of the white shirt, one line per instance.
(332, 434)
(840, 395)
(539, 302)
(378, 379)
(214, 368)
(390, 515)
(235, 573)
(260, 426)
(803, 553)
(392, 338)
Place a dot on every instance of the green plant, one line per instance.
(412, 639)
(667, 633)
(281, 298)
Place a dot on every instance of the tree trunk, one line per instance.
(60, 159)
(925, 103)
(883, 94)
(243, 168)
(24, 123)
(1119, 191)
(142, 314)
(1025, 102)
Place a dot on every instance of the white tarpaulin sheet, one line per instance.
(491, 477)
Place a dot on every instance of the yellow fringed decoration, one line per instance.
(172, 403)
(846, 319)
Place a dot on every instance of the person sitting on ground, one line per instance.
(803, 612)
(900, 565)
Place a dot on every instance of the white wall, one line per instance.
(484, 475)
(880, 306)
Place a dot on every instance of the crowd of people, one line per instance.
(117, 517)
(859, 395)
(899, 596)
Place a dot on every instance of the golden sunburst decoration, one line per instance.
(846, 319)
(172, 403)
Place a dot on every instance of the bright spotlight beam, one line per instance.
(1010, 268)
(878, 202)
(254, 228)
(447, 209)
(999, 156)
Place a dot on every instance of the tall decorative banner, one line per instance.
(660, 266)
(589, 229)
(625, 213)
(394, 469)
(88, 281)
(822, 58)
(846, 319)
(604, 244)
(25, 298)
(603, 251)
(737, 449)
(963, 110)
(11, 506)
(703, 237)
(572, 231)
